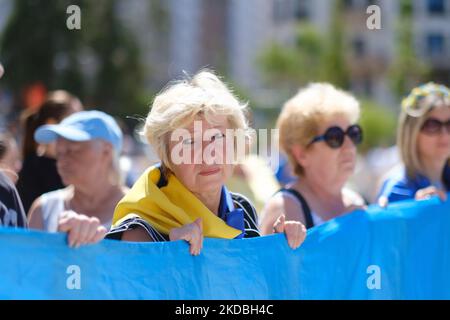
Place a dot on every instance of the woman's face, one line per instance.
(81, 162)
(327, 165)
(434, 145)
(198, 159)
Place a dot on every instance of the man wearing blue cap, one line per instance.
(88, 146)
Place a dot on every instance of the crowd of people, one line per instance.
(68, 179)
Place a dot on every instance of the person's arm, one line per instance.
(192, 233)
(421, 194)
(294, 231)
(425, 193)
(277, 206)
(394, 189)
(283, 215)
(353, 201)
(80, 228)
(35, 220)
(136, 235)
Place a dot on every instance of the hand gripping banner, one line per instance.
(402, 252)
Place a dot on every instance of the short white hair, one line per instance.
(182, 101)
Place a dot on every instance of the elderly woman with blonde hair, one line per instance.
(423, 140)
(184, 197)
(319, 134)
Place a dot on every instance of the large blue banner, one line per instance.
(402, 252)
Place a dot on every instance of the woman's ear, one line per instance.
(300, 155)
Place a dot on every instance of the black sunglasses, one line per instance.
(334, 136)
(434, 126)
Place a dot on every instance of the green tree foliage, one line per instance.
(407, 70)
(335, 69)
(118, 82)
(295, 65)
(37, 46)
(379, 124)
(313, 57)
(100, 63)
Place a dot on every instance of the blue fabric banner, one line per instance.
(402, 252)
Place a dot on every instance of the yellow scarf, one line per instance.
(170, 206)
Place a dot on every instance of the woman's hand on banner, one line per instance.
(295, 231)
(429, 192)
(192, 233)
(81, 229)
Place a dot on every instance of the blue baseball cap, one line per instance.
(83, 126)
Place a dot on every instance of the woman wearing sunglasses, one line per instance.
(319, 134)
(423, 140)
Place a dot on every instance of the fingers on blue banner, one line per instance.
(402, 252)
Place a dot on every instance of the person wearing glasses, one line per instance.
(423, 140)
(319, 134)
